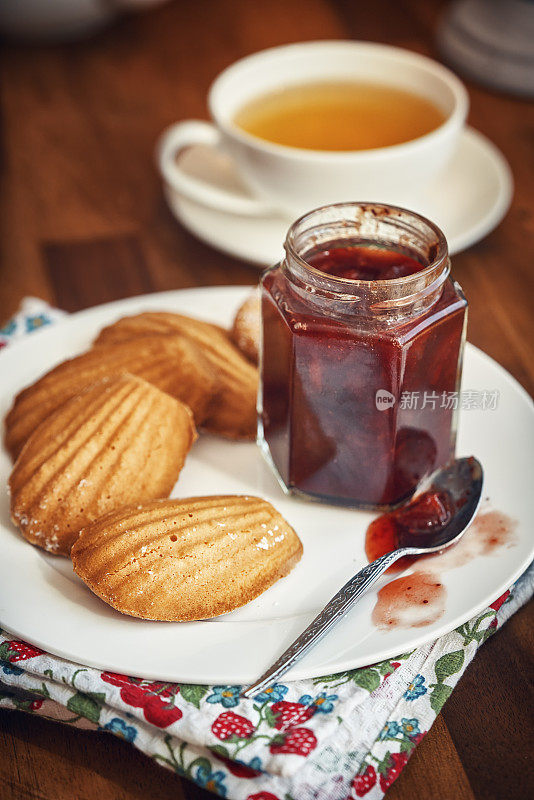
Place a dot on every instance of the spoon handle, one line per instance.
(338, 606)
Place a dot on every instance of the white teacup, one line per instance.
(293, 180)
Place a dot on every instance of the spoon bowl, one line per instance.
(458, 488)
(435, 519)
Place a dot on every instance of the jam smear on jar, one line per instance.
(357, 395)
(427, 514)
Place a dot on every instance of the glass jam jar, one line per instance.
(362, 340)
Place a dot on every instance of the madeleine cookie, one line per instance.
(173, 365)
(179, 560)
(246, 328)
(150, 323)
(119, 441)
(233, 409)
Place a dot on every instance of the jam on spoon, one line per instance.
(427, 514)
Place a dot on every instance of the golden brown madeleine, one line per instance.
(179, 560)
(173, 365)
(119, 441)
(246, 328)
(150, 323)
(233, 411)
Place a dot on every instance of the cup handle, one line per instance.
(193, 132)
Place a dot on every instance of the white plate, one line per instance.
(467, 202)
(42, 600)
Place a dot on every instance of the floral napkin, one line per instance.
(336, 737)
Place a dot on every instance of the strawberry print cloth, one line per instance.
(338, 737)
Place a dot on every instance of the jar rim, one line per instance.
(440, 257)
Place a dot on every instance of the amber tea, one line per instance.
(339, 116)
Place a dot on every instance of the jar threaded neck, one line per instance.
(366, 224)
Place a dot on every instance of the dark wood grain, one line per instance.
(44, 759)
(86, 273)
(84, 221)
(502, 683)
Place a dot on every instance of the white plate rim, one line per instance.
(129, 667)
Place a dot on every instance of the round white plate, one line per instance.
(467, 202)
(42, 600)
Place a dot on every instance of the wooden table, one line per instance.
(85, 222)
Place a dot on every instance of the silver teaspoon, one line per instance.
(461, 482)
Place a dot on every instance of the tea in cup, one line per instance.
(320, 122)
(339, 116)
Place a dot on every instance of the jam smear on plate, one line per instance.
(419, 598)
(412, 601)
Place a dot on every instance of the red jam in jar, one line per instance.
(363, 334)
(359, 263)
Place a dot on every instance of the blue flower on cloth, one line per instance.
(323, 702)
(390, 730)
(37, 321)
(120, 728)
(416, 688)
(9, 669)
(9, 328)
(254, 764)
(213, 781)
(228, 696)
(410, 726)
(276, 692)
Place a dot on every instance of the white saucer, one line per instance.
(467, 202)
